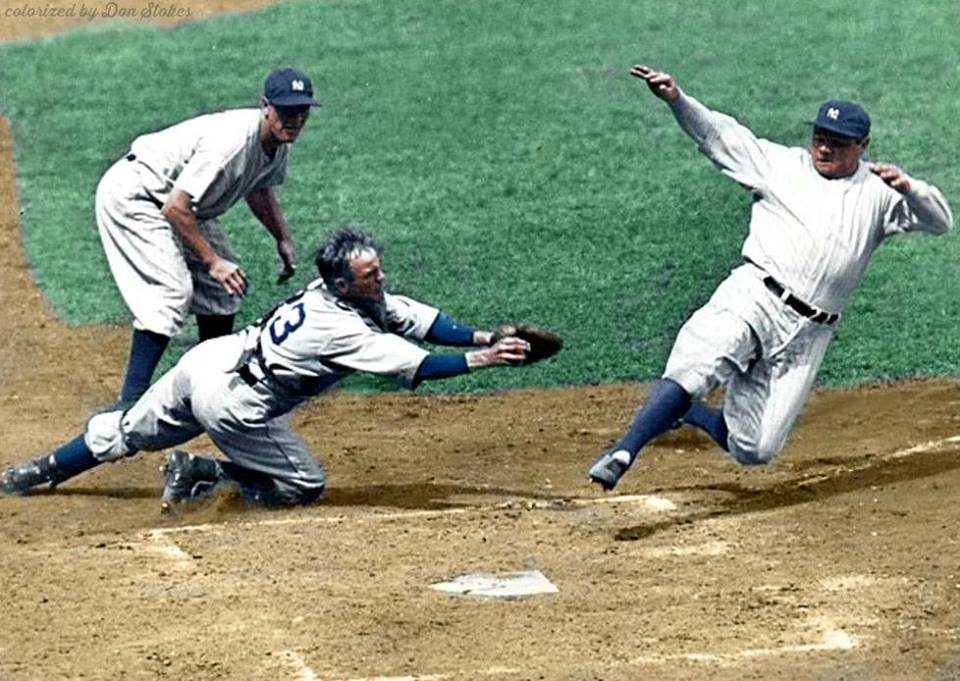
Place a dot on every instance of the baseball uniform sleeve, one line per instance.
(209, 171)
(408, 317)
(360, 348)
(923, 209)
(731, 146)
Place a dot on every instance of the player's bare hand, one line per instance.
(509, 350)
(230, 276)
(892, 175)
(661, 84)
(287, 266)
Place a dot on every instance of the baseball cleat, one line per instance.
(187, 478)
(20, 478)
(610, 467)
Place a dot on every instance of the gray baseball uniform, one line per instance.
(765, 330)
(217, 159)
(239, 389)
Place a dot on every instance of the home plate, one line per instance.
(508, 585)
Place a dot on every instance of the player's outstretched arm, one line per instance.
(926, 208)
(507, 351)
(721, 138)
(447, 331)
(661, 84)
(892, 176)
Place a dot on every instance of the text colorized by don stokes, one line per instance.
(98, 10)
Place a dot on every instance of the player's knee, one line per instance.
(104, 437)
(751, 453)
(311, 488)
(168, 315)
(750, 457)
(308, 495)
(287, 494)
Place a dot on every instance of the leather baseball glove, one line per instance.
(543, 343)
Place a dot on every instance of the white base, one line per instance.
(487, 585)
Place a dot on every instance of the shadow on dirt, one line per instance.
(832, 483)
(420, 496)
(412, 496)
(111, 492)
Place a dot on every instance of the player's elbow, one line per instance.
(171, 213)
(945, 225)
(940, 222)
(176, 207)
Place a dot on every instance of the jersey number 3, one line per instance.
(290, 318)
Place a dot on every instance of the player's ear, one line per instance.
(342, 285)
(264, 105)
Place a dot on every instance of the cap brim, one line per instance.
(830, 128)
(302, 100)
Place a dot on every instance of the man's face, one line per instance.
(835, 156)
(284, 123)
(368, 279)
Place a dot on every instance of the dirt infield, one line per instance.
(840, 561)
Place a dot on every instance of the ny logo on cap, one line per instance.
(833, 114)
(297, 85)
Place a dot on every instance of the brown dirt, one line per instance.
(840, 561)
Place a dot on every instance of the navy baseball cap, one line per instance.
(843, 118)
(289, 87)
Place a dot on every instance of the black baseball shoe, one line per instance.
(187, 478)
(20, 478)
(610, 466)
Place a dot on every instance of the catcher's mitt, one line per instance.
(543, 343)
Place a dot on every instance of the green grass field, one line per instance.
(510, 164)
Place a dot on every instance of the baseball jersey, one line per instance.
(813, 234)
(216, 158)
(314, 339)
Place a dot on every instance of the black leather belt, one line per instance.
(811, 313)
(808, 311)
(256, 370)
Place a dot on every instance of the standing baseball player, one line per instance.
(818, 215)
(158, 207)
(240, 388)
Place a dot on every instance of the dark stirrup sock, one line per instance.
(710, 421)
(145, 352)
(70, 459)
(668, 402)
